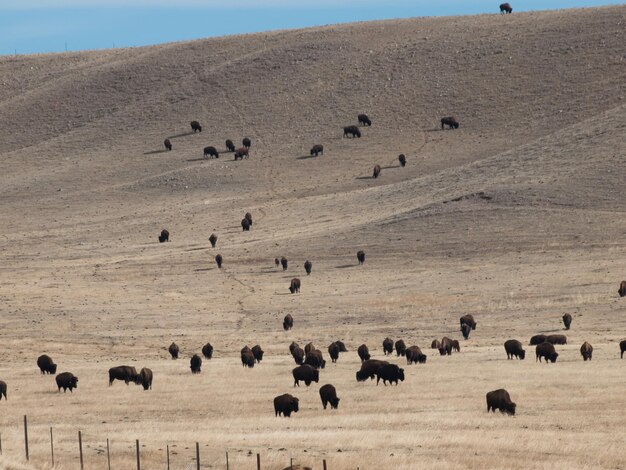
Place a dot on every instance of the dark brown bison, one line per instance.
(293, 346)
(246, 142)
(505, 8)
(65, 381)
(241, 152)
(586, 350)
(288, 322)
(167, 144)
(126, 373)
(436, 344)
(567, 320)
(364, 120)
(257, 352)
(211, 152)
(377, 170)
(351, 131)
(317, 149)
(306, 374)
(307, 267)
(219, 260)
(402, 159)
(369, 369)
(449, 121)
(315, 359)
(391, 373)
(213, 240)
(333, 352)
(230, 147)
(456, 346)
(164, 236)
(622, 348)
(285, 405)
(298, 355)
(622, 289)
(284, 263)
(547, 351)
(537, 339)
(195, 364)
(3, 390)
(514, 348)
(446, 346)
(342, 346)
(144, 378)
(248, 216)
(363, 352)
(195, 126)
(360, 256)
(309, 347)
(328, 394)
(500, 399)
(556, 339)
(468, 320)
(174, 350)
(45, 364)
(466, 330)
(387, 346)
(294, 286)
(400, 348)
(245, 225)
(207, 351)
(247, 358)
(414, 355)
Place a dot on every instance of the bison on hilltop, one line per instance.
(328, 394)
(285, 405)
(414, 355)
(363, 352)
(351, 131)
(167, 144)
(567, 320)
(195, 126)
(402, 160)
(622, 289)
(284, 263)
(547, 351)
(514, 348)
(213, 240)
(389, 373)
(3, 390)
(364, 120)
(164, 236)
(294, 286)
(449, 121)
(207, 351)
(376, 172)
(219, 260)
(537, 339)
(586, 350)
(505, 8)
(317, 149)
(288, 322)
(360, 256)
(65, 381)
(126, 373)
(307, 267)
(46, 365)
(500, 399)
(144, 378)
(369, 369)
(230, 147)
(387, 346)
(306, 374)
(211, 152)
(195, 364)
(400, 348)
(174, 350)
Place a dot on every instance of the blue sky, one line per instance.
(52, 25)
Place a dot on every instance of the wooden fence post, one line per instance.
(258, 461)
(80, 449)
(138, 461)
(197, 456)
(168, 457)
(0, 443)
(26, 435)
(227, 467)
(51, 446)
(108, 455)
(324, 463)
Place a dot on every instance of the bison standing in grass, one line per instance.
(547, 351)
(213, 240)
(446, 346)
(315, 359)
(466, 330)
(364, 120)
(436, 344)
(195, 126)
(328, 394)
(514, 348)
(307, 267)
(500, 399)
(164, 236)
(351, 131)
(360, 256)
(369, 369)
(211, 152)
(288, 322)
(245, 225)
(46, 365)
(246, 142)
(284, 263)
(195, 364)
(402, 159)
(294, 286)
(449, 121)
(247, 358)
(400, 348)
(65, 381)
(298, 355)
(556, 339)
(505, 8)
(387, 346)
(168, 144)
(285, 405)
(240, 153)
(317, 149)
(537, 339)
(174, 350)
(306, 374)
(207, 351)
(468, 320)
(144, 378)
(376, 172)
(622, 348)
(126, 373)
(389, 373)
(363, 353)
(586, 350)
(3, 390)
(257, 352)
(230, 147)
(567, 320)
(622, 289)
(414, 355)
(219, 260)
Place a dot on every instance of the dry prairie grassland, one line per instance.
(516, 217)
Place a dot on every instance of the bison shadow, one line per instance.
(283, 293)
(153, 152)
(200, 270)
(389, 167)
(184, 134)
(364, 177)
(197, 159)
(344, 266)
(306, 157)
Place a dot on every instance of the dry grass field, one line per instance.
(516, 217)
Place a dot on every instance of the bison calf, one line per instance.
(500, 399)
(328, 394)
(390, 373)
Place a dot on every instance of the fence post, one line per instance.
(0, 443)
(138, 461)
(26, 435)
(324, 463)
(168, 457)
(291, 463)
(80, 449)
(108, 455)
(227, 467)
(197, 456)
(258, 461)
(51, 446)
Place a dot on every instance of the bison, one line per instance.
(211, 152)
(207, 351)
(501, 400)
(230, 147)
(436, 344)
(167, 144)
(414, 355)
(376, 173)
(364, 120)
(293, 346)
(567, 320)
(241, 152)
(622, 289)
(400, 348)
(352, 131)
(391, 373)
(547, 351)
(315, 359)
(360, 256)
(556, 339)
(174, 350)
(219, 260)
(288, 322)
(586, 350)
(328, 394)
(505, 8)
(514, 348)
(245, 225)
(622, 348)
(466, 330)
(537, 339)
(402, 159)
(333, 352)
(246, 142)
(284, 263)
(363, 352)
(195, 126)
(298, 355)
(126, 373)
(446, 346)
(164, 236)
(456, 346)
(449, 121)
(45, 364)
(317, 149)
(307, 267)
(294, 286)
(247, 357)
(248, 216)
(257, 352)
(309, 347)
(387, 346)
(3, 390)
(285, 405)
(65, 381)
(306, 374)
(468, 320)
(144, 378)
(195, 364)
(369, 369)
(213, 240)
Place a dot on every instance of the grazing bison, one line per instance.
(284, 263)
(363, 353)
(364, 120)
(248, 216)
(288, 322)
(360, 255)
(257, 352)
(195, 126)
(245, 225)
(622, 348)
(500, 399)
(449, 121)
(466, 330)
(315, 359)
(414, 355)
(219, 260)
(446, 346)
(352, 131)
(333, 352)
(400, 348)
(622, 289)
(126, 373)
(456, 346)
(45, 364)
(247, 358)
(307, 267)
(567, 320)
(213, 240)
(436, 344)
(65, 381)
(505, 8)
(369, 369)
(195, 364)
(387, 346)
(144, 378)
(230, 147)
(285, 405)
(174, 350)
(376, 173)
(293, 346)
(317, 149)
(328, 394)
(391, 373)
(537, 339)
(211, 152)
(3, 390)
(164, 236)
(246, 142)
(586, 350)
(342, 346)
(402, 159)
(309, 347)
(295, 285)
(167, 144)
(547, 351)
(306, 374)
(514, 348)
(556, 339)
(241, 152)
(468, 320)
(207, 351)
(298, 355)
